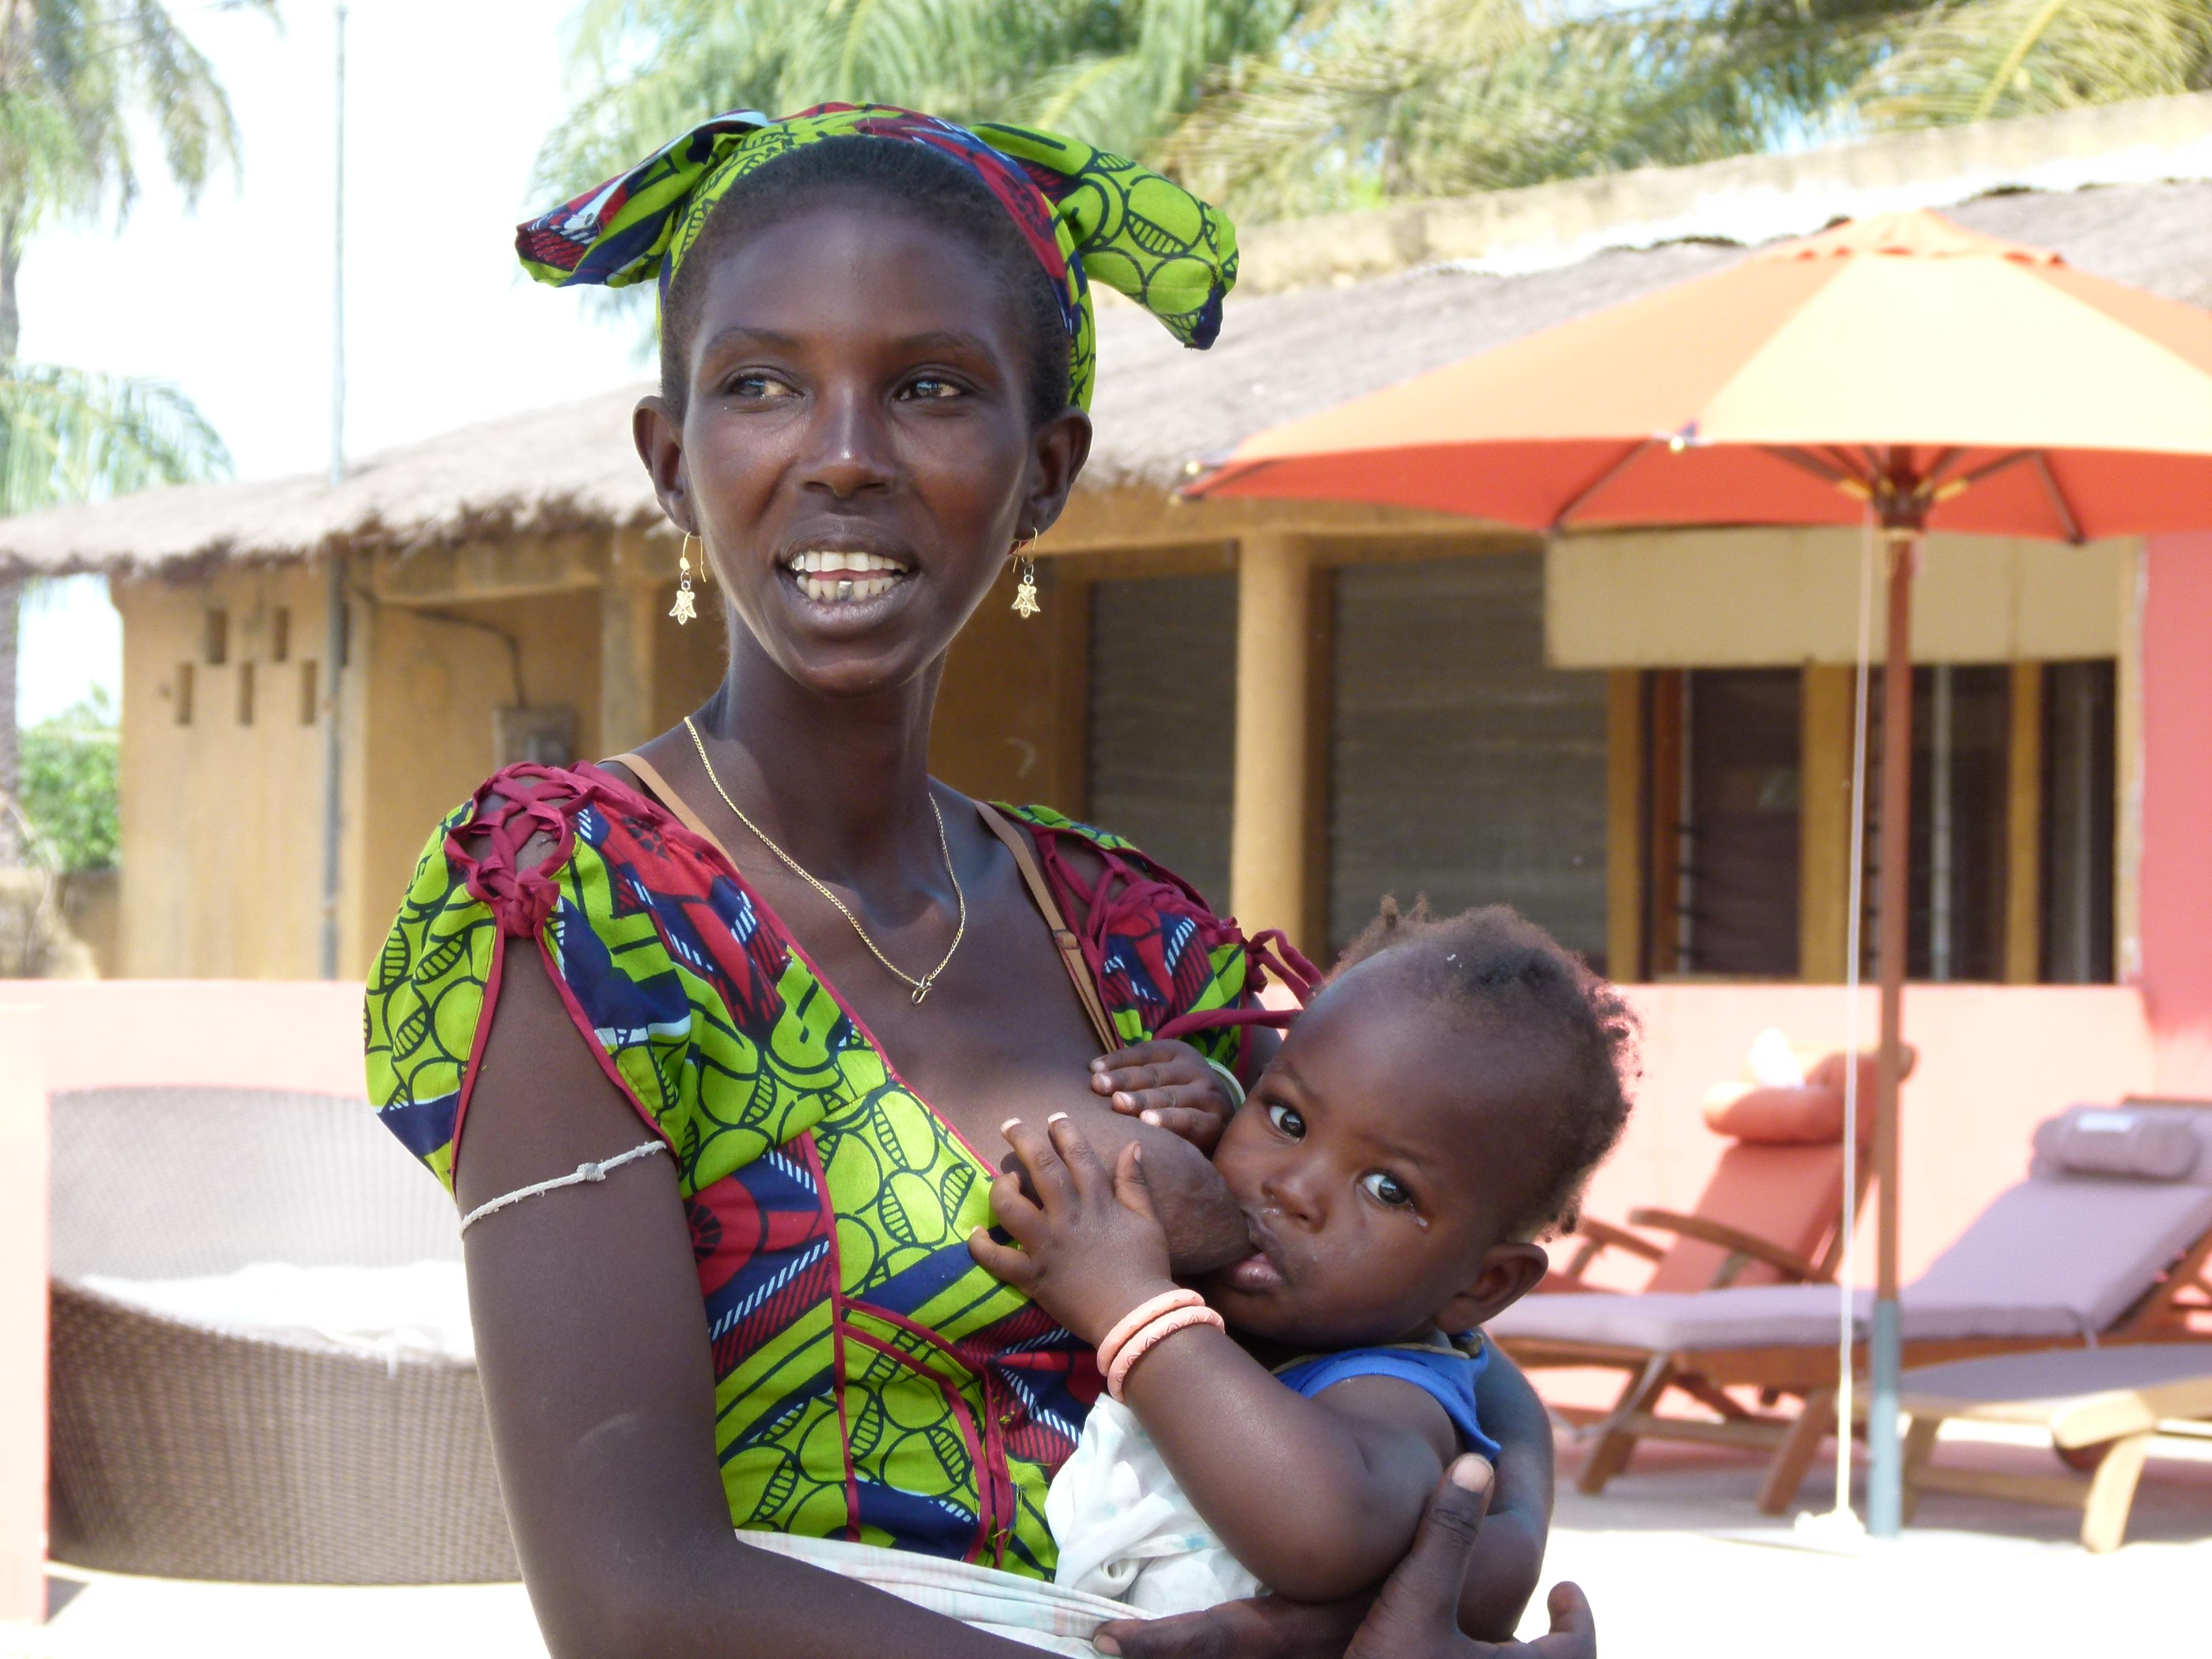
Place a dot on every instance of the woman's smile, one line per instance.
(845, 582)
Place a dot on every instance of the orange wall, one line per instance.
(2176, 926)
(1994, 1060)
(265, 1033)
(23, 1315)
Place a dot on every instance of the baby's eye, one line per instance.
(1386, 1189)
(1286, 1119)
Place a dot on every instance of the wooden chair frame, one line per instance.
(1808, 1372)
(1743, 1248)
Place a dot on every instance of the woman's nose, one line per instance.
(848, 448)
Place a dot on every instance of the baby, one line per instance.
(1432, 1113)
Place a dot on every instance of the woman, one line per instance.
(792, 984)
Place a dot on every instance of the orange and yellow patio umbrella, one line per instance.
(1899, 366)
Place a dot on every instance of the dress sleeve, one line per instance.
(425, 1003)
(659, 960)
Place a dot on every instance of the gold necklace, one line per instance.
(921, 986)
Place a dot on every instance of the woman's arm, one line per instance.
(592, 1340)
(1502, 1575)
(1319, 1498)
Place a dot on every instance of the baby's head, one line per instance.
(1434, 1112)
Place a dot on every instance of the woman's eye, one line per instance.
(932, 388)
(1386, 1189)
(761, 386)
(1287, 1121)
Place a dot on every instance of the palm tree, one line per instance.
(1122, 72)
(1995, 57)
(74, 75)
(1393, 98)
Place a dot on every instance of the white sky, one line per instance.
(448, 100)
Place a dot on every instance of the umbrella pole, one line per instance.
(1885, 1474)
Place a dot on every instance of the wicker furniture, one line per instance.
(197, 1452)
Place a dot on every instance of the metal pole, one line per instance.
(334, 645)
(1854, 925)
(1884, 1470)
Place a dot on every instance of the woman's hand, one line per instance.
(1091, 1249)
(1169, 1085)
(1414, 1616)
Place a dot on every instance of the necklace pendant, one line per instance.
(922, 990)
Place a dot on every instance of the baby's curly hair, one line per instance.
(1496, 966)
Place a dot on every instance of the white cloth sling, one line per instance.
(1026, 1610)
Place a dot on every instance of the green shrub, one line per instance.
(69, 786)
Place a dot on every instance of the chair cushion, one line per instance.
(2055, 1259)
(2130, 1142)
(1829, 1073)
(1802, 1116)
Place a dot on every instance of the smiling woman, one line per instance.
(768, 941)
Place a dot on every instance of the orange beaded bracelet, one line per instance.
(1145, 1341)
(1139, 1316)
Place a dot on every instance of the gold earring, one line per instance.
(1025, 595)
(683, 609)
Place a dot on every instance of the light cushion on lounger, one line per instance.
(2059, 1256)
(2143, 1144)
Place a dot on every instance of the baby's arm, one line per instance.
(1318, 1497)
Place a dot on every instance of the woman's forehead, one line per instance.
(853, 270)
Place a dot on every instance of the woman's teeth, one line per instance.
(845, 578)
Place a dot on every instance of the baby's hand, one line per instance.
(1091, 1249)
(1169, 1085)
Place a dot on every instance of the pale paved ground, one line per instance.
(1678, 1564)
(1674, 1558)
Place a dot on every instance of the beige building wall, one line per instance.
(222, 791)
(1743, 599)
(436, 676)
(222, 814)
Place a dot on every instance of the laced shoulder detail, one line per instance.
(1165, 964)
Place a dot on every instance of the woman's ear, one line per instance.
(1509, 1271)
(658, 435)
(1059, 448)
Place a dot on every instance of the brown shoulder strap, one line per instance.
(649, 775)
(1071, 949)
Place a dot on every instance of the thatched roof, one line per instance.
(1159, 407)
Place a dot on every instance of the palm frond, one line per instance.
(1970, 61)
(76, 75)
(68, 436)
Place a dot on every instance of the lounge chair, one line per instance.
(2111, 1402)
(1770, 1213)
(2106, 1241)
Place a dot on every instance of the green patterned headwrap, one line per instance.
(1085, 213)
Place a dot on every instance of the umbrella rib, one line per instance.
(1583, 497)
(1820, 466)
(2058, 501)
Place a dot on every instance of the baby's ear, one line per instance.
(1508, 1272)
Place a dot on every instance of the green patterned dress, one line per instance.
(872, 1381)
